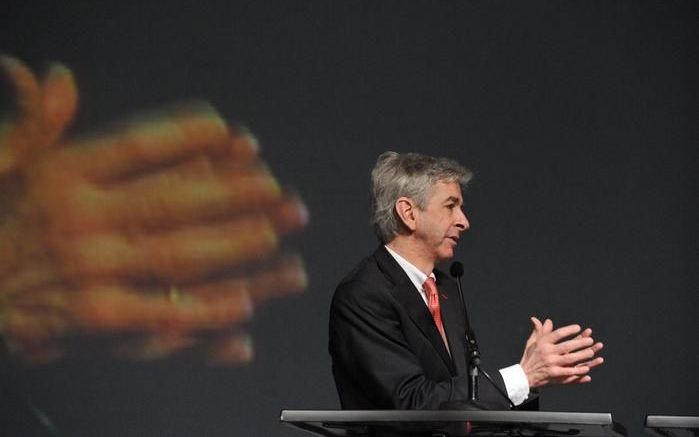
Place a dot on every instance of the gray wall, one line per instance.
(578, 119)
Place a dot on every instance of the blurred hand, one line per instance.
(561, 356)
(158, 236)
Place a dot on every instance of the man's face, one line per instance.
(438, 226)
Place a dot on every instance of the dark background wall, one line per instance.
(578, 119)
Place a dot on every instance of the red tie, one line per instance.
(433, 304)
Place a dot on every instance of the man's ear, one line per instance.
(406, 208)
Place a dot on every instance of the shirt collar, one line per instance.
(417, 277)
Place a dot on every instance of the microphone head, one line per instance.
(456, 269)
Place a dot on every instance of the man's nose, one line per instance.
(462, 221)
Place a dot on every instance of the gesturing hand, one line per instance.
(155, 237)
(561, 356)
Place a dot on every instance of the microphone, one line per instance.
(457, 270)
(474, 363)
(474, 357)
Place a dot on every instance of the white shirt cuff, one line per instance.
(516, 383)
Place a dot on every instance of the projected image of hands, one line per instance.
(156, 238)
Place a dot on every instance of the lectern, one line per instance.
(673, 426)
(451, 423)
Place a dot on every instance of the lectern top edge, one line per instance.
(449, 422)
(658, 421)
(379, 416)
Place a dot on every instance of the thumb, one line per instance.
(60, 101)
(536, 330)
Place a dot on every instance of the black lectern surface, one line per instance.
(442, 423)
(673, 426)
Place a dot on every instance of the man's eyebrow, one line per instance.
(453, 199)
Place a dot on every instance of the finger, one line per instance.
(561, 333)
(547, 327)
(118, 309)
(141, 146)
(221, 351)
(566, 380)
(17, 245)
(175, 255)
(560, 372)
(536, 330)
(242, 146)
(288, 215)
(44, 302)
(176, 196)
(155, 345)
(27, 129)
(587, 333)
(596, 361)
(574, 380)
(169, 323)
(27, 328)
(285, 275)
(593, 363)
(572, 345)
(8, 158)
(574, 358)
(29, 93)
(34, 274)
(60, 101)
(530, 340)
(232, 349)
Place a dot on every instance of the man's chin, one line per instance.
(446, 254)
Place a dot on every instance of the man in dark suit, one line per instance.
(396, 323)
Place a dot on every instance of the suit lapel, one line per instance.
(405, 293)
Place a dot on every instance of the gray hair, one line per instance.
(410, 175)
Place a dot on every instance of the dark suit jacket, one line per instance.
(386, 350)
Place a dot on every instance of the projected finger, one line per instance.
(288, 215)
(24, 133)
(232, 349)
(31, 326)
(155, 346)
(60, 101)
(179, 254)
(168, 198)
(284, 276)
(144, 145)
(34, 274)
(120, 309)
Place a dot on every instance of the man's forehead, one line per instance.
(446, 191)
